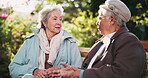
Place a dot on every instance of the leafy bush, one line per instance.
(83, 28)
(13, 30)
(141, 23)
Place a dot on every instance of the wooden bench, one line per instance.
(145, 45)
(85, 50)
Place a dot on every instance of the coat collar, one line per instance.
(120, 31)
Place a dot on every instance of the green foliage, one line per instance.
(140, 22)
(142, 19)
(13, 30)
(16, 30)
(4, 53)
(83, 28)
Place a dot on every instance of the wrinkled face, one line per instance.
(103, 24)
(54, 22)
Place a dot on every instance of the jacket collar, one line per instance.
(120, 31)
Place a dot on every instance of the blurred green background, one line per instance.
(18, 16)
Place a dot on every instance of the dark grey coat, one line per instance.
(126, 58)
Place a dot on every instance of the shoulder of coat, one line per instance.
(30, 36)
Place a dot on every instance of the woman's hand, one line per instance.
(49, 70)
(40, 73)
(66, 72)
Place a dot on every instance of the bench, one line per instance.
(85, 50)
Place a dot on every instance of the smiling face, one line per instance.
(54, 23)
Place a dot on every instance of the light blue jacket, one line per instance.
(26, 59)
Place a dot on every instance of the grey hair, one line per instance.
(45, 13)
(108, 14)
(119, 22)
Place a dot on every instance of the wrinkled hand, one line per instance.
(40, 73)
(66, 72)
(46, 73)
(49, 70)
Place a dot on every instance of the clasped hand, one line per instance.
(57, 72)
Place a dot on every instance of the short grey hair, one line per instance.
(108, 14)
(45, 13)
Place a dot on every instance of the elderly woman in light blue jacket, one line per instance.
(47, 47)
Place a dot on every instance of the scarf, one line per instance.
(45, 48)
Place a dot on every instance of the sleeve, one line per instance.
(129, 61)
(81, 74)
(76, 59)
(19, 65)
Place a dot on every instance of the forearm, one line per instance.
(17, 70)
